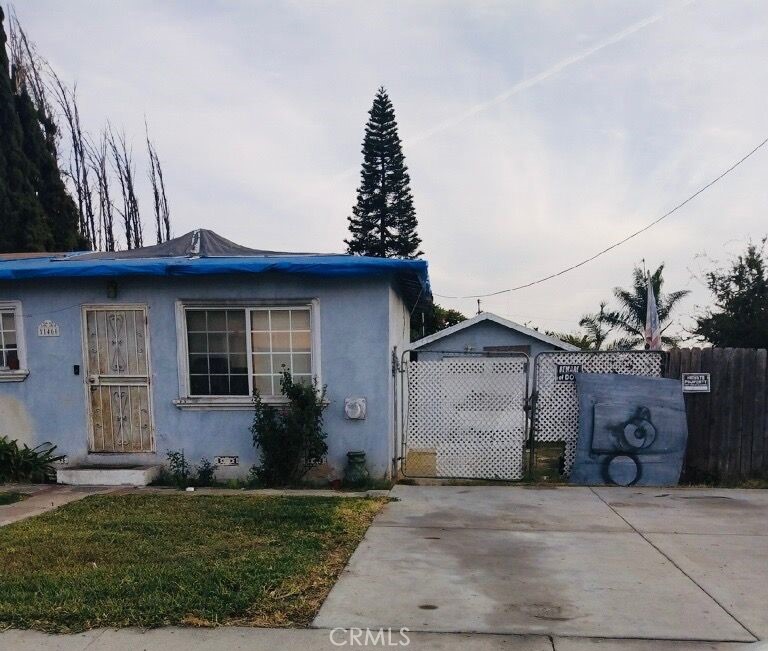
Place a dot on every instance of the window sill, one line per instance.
(13, 376)
(222, 403)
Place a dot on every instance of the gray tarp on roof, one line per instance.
(199, 243)
(203, 252)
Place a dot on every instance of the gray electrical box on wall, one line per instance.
(355, 408)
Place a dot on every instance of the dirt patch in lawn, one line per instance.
(157, 560)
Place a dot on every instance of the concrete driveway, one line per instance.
(573, 563)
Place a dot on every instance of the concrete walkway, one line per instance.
(260, 639)
(573, 562)
(518, 569)
(42, 498)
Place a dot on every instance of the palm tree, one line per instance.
(594, 333)
(630, 317)
(594, 324)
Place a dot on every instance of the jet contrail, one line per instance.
(536, 79)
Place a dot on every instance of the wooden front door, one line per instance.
(117, 379)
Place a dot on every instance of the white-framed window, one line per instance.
(229, 350)
(12, 353)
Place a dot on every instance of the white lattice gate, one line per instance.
(465, 417)
(555, 405)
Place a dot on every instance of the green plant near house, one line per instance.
(180, 473)
(20, 463)
(205, 473)
(290, 437)
(10, 497)
(179, 470)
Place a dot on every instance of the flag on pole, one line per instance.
(652, 327)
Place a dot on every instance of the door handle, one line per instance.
(93, 380)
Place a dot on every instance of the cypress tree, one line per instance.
(36, 211)
(59, 208)
(383, 222)
(24, 226)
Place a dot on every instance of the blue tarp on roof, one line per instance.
(412, 275)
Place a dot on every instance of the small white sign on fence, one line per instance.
(48, 329)
(565, 372)
(695, 382)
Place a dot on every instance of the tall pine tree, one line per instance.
(383, 222)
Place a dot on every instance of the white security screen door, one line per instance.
(117, 379)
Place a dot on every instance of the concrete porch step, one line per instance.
(98, 475)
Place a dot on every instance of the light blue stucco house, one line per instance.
(485, 334)
(118, 358)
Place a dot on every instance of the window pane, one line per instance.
(302, 379)
(302, 363)
(262, 364)
(237, 342)
(263, 384)
(299, 319)
(217, 333)
(9, 339)
(197, 342)
(198, 385)
(260, 320)
(280, 320)
(260, 342)
(236, 320)
(196, 321)
(238, 385)
(219, 385)
(9, 321)
(198, 364)
(238, 364)
(280, 361)
(217, 342)
(281, 342)
(218, 363)
(217, 321)
(301, 342)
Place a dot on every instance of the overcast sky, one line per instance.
(536, 133)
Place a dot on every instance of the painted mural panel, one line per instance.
(632, 430)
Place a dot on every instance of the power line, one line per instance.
(620, 242)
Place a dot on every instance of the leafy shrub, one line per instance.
(290, 437)
(10, 498)
(206, 473)
(22, 463)
(179, 472)
(179, 469)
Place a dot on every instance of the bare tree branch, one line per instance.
(98, 157)
(162, 214)
(122, 162)
(28, 69)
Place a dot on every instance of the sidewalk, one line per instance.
(263, 639)
(43, 498)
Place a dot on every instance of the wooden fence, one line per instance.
(727, 427)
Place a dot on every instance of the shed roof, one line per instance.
(203, 252)
(494, 318)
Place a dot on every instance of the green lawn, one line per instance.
(154, 560)
(9, 497)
